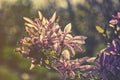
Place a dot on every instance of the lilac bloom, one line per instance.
(46, 40)
(67, 67)
(109, 61)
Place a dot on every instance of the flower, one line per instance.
(109, 61)
(46, 41)
(67, 67)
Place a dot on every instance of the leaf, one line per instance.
(40, 15)
(67, 28)
(47, 61)
(99, 29)
(28, 20)
(53, 17)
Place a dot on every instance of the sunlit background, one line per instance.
(83, 14)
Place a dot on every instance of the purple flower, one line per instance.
(46, 40)
(109, 61)
(67, 67)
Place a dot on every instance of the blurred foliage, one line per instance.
(84, 18)
(5, 74)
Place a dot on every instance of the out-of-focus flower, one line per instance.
(109, 61)
(112, 29)
(113, 22)
(116, 20)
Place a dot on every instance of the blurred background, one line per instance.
(83, 14)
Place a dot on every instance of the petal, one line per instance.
(44, 21)
(92, 59)
(74, 42)
(67, 28)
(68, 37)
(30, 31)
(86, 67)
(53, 17)
(41, 38)
(32, 66)
(82, 60)
(77, 47)
(66, 54)
(40, 15)
(79, 38)
(72, 51)
(72, 74)
(28, 20)
(30, 25)
(55, 46)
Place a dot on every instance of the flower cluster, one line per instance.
(112, 29)
(68, 67)
(51, 47)
(109, 58)
(109, 61)
(48, 46)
